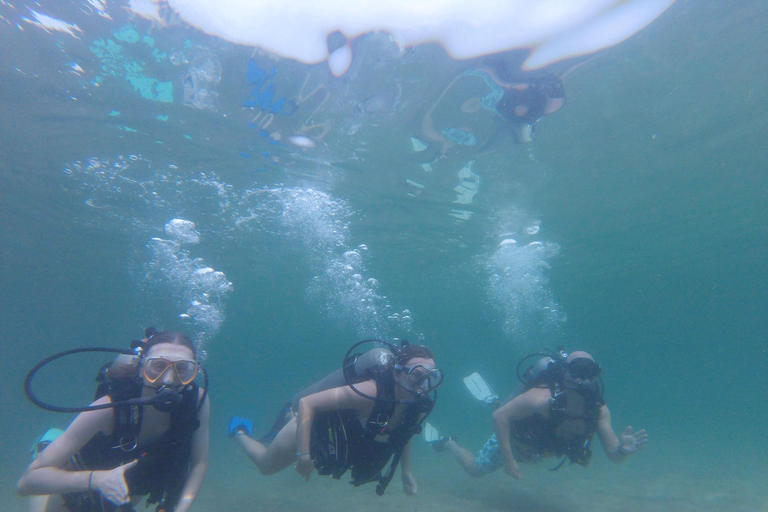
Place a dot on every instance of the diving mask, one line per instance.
(420, 377)
(156, 367)
(583, 368)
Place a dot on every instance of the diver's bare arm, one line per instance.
(521, 406)
(533, 401)
(617, 448)
(329, 400)
(406, 471)
(406, 466)
(501, 425)
(45, 476)
(198, 462)
(607, 436)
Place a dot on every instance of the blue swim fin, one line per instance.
(238, 423)
(44, 440)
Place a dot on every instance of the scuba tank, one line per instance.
(358, 368)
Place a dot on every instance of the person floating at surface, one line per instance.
(109, 456)
(487, 101)
(523, 104)
(357, 426)
(557, 415)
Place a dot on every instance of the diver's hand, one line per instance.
(512, 469)
(111, 484)
(632, 442)
(305, 466)
(409, 484)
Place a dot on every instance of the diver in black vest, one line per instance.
(556, 415)
(360, 423)
(120, 447)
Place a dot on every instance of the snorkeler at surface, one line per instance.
(523, 104)
(527, 97)
(359, 426)
(556, 415)
(110, 456)
(491, 98)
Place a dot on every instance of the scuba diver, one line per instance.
(556, 413)
(358, 418)
(145, 434)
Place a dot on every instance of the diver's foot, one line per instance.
(283, 417)
(439, 445)
(237, 425)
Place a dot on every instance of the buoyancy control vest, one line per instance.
(340, 443)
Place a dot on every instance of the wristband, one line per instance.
(299, 454)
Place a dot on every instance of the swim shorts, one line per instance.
(489, 458)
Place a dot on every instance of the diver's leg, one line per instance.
(464, 457)
(48, 503)
(487, 460)
(278, 456)
(38, 503)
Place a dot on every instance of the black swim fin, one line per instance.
(283, 417)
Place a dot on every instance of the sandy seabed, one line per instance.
(444, 488)
(640, 485)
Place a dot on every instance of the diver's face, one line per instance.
(582, 375)
(582, 368)
(169, 365)
(570, 379)
(420, 375)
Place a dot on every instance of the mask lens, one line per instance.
(420, 375)
(435, 379)
(186, 370)
(584, 368)
(154, 368)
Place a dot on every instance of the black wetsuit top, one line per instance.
(163, 464)
(340, 443)
(565, 432)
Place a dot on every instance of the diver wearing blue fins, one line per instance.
(146, 434)
(359, 418)
(556, 413)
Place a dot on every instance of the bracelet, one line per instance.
(299, 454)
(90, 479)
